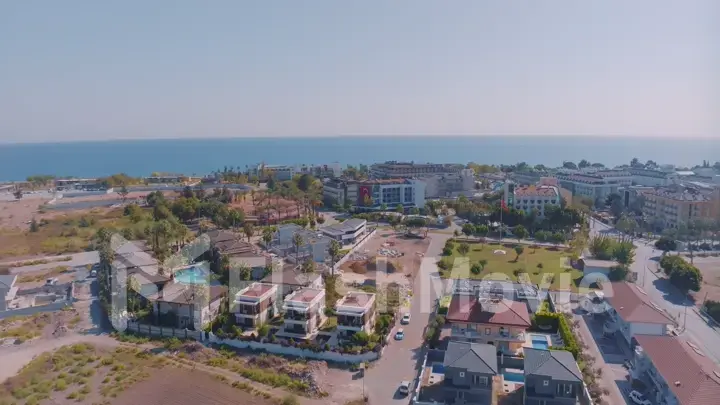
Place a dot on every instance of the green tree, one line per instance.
(558, 238)
(308, 265)
(468, 229)
(463, 249)
(34, 227)
(483, 263)
(624, 253)
(518, 251)
(399, 209)
(267, 236)
(520, 232)
(415, 211)
(383, 207)
(666, 244)
(123, 192)
(476, 268)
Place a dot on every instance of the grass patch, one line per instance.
(24, 327)
(538, 264)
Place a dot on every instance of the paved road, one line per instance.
(78, 259)
(401, 359)
(668, 298)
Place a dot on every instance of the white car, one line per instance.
(400, 334)
(405, 319)
(639, 399)
(404, 388)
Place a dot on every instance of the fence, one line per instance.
(275, 348)
(55, 306)
(161, 331)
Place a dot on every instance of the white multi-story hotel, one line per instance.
(529, 198)
(450, 184)
(346, 232)
(395, 169)
(598, 185)
(372, 194)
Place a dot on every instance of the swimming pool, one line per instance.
(192, 275)
(438, 368)
(539, 342)
(513, 376)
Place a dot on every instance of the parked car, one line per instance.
(404, 388)
(405, 319)
(51, 281)
(639, 399)
(400, 334)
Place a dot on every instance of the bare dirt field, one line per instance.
(38, 326)
(710, 269)
(406, 264)
(182, 387)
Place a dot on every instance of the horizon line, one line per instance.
(355, 136)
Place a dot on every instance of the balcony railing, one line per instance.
(296, 316)
(503, 335)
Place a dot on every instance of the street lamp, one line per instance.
(362, 377)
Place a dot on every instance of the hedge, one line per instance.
(566, 334)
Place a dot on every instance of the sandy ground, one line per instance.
(287, 208)
(410, 261)
(710, 269)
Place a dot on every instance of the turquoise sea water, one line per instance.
(201, 156)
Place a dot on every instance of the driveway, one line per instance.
(696, 328)
(609, 357)
(402, 359)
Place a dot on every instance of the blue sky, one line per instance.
(150, 69)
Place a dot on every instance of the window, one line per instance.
(546, 383)
(479, 380)
(461, 374)
(460, 394)
(487, 331)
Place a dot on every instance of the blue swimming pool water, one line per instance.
(539, 342)
(192, 275)
(438, 368)
(513, 377)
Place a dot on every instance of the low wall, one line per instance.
(505, 361)
(55, 306)
(355, 248)
(294, 351)
(161, 331)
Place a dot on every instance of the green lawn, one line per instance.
(548, 263)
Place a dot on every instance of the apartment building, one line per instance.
(355, 313)
(334, 192)
(653, 178)
(631, 313)
(304, 313)
(529, 198)
(313, 244)
(178, 303)
(597, 185)
(395, 169)
(669, 207)
(494, 321)
(255, 304)
(449, 184)
(676, 371)
(332, 170)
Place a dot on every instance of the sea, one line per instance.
(202, 156)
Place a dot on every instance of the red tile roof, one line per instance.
(634, 305)
(692, 377)
(467, 308)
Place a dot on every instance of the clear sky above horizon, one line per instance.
(85, 70)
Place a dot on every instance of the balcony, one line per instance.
(296, 316)
(473, 334)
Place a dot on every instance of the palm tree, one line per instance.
(249, 230)
(298, 242)
(334, 251)
(267, 236)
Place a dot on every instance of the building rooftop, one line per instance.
(690, 375)
(489, 288)
(473, 357)
(343, 227)
(8, 280)
(183, 294)
(256, 290)
(356, 299)
(634, 305)
(536, 191)
(290, 277)
(305, 295)
(557, 364)
(468, 308)
(690, 194)
(382, 181)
